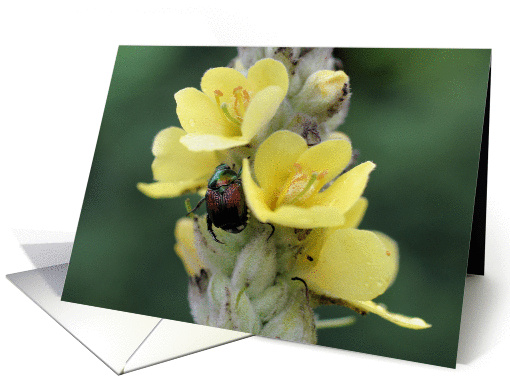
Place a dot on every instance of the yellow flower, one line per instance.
(290, 177)
(352, 265)
(185, 247)
(231, 109)
(176, 169)
(348, 263)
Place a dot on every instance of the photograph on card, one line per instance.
(315, 195)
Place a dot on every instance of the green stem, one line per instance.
(335, 322)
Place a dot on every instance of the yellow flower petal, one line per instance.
(176, 169)
(339, 135)
(354, 216)
(261, 110)
(351, 265)
(199, 114)
(160, 190)
(275, 157)
(174, 162)
(225, 80)
(290, 175)
(255, 197)
(347, 189)
(392, 248)
(329, 157)
(269, 72)
(231, 106)
(286, 215)
(398, 319)
(309, 217)
(205, 142)
(185, 246)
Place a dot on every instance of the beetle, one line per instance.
(225, 202)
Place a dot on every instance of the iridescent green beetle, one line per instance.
(225, 203)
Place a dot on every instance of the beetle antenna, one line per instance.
(188, 206)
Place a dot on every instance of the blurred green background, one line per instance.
(416, 113)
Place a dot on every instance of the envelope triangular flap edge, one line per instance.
(123, 341)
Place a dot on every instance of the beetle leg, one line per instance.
(197, 206)
(272, 226)
(210, 229)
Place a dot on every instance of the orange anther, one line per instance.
(322, 174)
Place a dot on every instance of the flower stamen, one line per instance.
(227, 115)
(309, 185)
(241, 100)
(217, 95)
(301, 186)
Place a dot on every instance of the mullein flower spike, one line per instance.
(273, 113)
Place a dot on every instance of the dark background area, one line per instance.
(416, 113)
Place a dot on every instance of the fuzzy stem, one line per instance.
(335, 322)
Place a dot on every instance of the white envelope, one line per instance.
(123, 341)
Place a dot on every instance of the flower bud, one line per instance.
(256, 266)
(245, 318)
(271, 301)
(230, 308)
(295, 323)
(219, 256)
(308, 128)
(323, 95)
(312, 60)
(197, 297)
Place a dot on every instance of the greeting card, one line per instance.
(321, 196)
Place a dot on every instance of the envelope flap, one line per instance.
(172, 339)
(111, 335)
